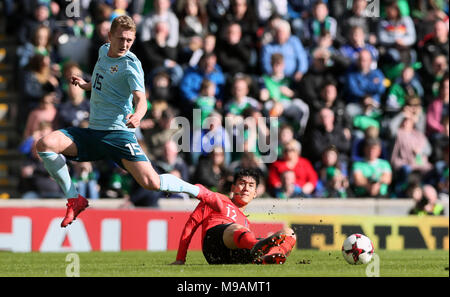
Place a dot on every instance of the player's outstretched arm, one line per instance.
(194, 221)
(79, 81)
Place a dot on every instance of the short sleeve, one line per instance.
(135, 77)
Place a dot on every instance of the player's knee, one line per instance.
(46, 143)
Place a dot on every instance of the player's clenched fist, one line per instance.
(133, 121)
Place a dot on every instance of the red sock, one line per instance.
(244, 239)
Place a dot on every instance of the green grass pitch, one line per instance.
(308, 263)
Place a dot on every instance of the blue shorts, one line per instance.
(94, 145)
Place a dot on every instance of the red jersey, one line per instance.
(211, 211)
(304, 172)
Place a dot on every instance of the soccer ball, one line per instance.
(357, 249)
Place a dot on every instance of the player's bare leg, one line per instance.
(146, 176)
(49, 149)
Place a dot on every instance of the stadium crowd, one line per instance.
(360, 94)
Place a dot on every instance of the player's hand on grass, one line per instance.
(177, 262)
(79, 81)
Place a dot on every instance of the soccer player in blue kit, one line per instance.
(117, 83)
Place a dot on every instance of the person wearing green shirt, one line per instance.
(206, 101)
(279, 98)
(372, 176)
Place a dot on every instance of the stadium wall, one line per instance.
(31, 227)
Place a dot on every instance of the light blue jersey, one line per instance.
(113, 81)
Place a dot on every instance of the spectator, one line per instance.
(119, 8)
(38, 79)
(288, 189)
(44, 112)
(249, 160)
(431, 83)
(438, 176)
(269, 31)
(407, 85)
(372, 176)
(397, 35)
(276, 92)
(198, 47)
(356, 43)
(328, 98)
(365, 115)
(319, 23)
(193, 21)
(305, 175)
(119, 184)
(212, 172)
(160, 88)
(266, 8)
(410, 153)
(363, 81)
(39, 44)
(326, 41)
(325, 68)
(85, 178)
(359, 141)
(333, 176)
(206, 102)
(440, 141)
(160, 56)
(242, 13)
(240, 100)
(326, 134)
(290, 48)
(255, 132)
(75, 111)
(435, 46)
(233, 53)
(426, 200)
(161, 13)
(41, 16)
(438, 109)
(285, 135)
(216, 11)
(100, 11)
(356, 17)
(193, 77)
(413, 109)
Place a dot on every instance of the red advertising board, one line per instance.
(38, 229)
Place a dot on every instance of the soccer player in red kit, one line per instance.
(226, 234)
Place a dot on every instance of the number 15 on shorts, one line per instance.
(135, 149)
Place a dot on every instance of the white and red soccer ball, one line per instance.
(357, 249)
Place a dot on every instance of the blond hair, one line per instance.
(124, 22)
